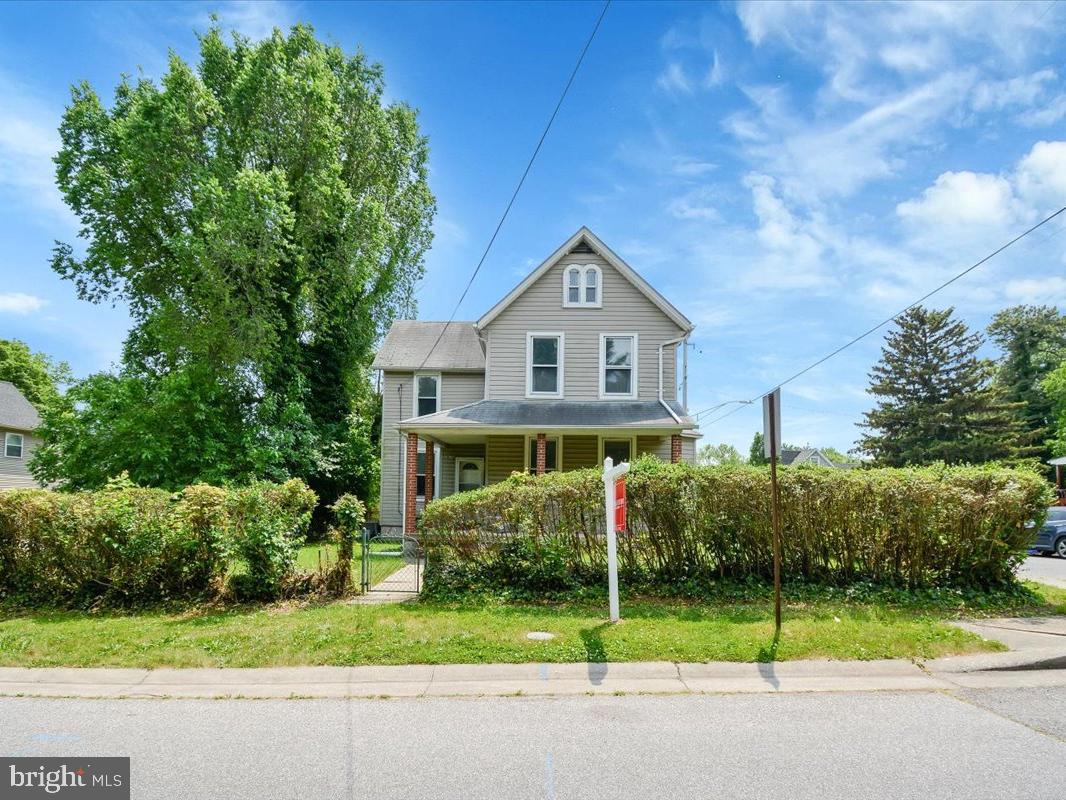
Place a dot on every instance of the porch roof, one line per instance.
(552, 415)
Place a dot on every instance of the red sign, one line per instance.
(620, 503)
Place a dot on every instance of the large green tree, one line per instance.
(938, 400)
(1055, 387)
(264, 216)
(718, 454)
(36, 375)
(1033, 343)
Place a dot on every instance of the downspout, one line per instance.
(662, 401)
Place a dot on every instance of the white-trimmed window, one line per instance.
(582, 286)
(544, 364)
(427, 393)
(13, 445)
(553, 455)
(618, 365)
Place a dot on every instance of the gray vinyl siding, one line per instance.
(540, 308)
(14, 474)
(688, 450)
(503, 455)
(580, 452)
(658, 446)
(456, 388)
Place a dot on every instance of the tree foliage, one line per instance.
(756, 456)
(938, 400)
(264, 216)
(718, 454)
(1033, 342)
(36, 375)
(1055, 387)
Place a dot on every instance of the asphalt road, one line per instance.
(970, 744)
(1046, 569)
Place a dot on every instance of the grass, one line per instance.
(445, 633)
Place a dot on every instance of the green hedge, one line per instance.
(126, 544)
(915, 527)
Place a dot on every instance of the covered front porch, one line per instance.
(483, 443)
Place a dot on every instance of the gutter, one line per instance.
(663, 402)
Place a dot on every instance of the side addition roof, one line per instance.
(15, 410)
(612, 258)
(409, 342)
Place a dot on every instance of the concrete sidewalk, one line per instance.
(993, 671)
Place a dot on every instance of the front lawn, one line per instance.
(446, 633)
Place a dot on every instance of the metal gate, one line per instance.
(392, 562)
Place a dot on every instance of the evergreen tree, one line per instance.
(937, 400)
(1033, 341)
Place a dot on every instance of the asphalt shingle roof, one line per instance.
(15, 410)
(554, 414)
(408, 343)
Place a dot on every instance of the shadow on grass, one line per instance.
(595, 652)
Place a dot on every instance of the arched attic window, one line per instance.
(582, 286)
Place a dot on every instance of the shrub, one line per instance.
(912, 527)
(125, 544)
(350, 514)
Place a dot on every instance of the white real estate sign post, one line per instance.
(610, 474)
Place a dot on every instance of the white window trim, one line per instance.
(403, 475)
(530, 394)
(584, 270)
(414, 393)
(619, 438)
(479, 459)
(530, 438)
(22, 445)
(634, 386)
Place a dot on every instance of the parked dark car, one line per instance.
(1051, 538)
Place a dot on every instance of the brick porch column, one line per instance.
(430, 456)
(542, 453)
(675, 449)
(411, 482)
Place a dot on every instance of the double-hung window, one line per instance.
(544, 365)
(13, 445)
(581, 286)
(618, 365)
(427, 393)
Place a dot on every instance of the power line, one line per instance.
(884, 322)
(522, 180)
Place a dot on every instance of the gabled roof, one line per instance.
(410, 341)
(15, 410)
(612, 258)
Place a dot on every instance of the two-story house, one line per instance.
(578, 362)
(18, 420)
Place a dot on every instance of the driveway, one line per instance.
(971, 744)
(1046, 570)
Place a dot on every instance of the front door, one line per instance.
(469, 474)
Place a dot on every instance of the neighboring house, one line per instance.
(18, 421)
(808, 455)
(578, 362)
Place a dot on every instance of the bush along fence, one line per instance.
(913, 527)
(125, 544)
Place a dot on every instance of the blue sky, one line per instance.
(788, 174)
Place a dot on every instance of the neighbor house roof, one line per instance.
(804, 456)
(608, 255)
(409, 342)
(560, 414)
(15, 410)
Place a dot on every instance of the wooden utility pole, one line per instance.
(772, 436)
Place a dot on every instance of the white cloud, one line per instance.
(20, 303)
(674, 80)
(716, 74)
(1041, 176)
(695, 205)
(967, 199)
(1023, 90)
(255, 19)
(1039, 291)
(29, 139)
